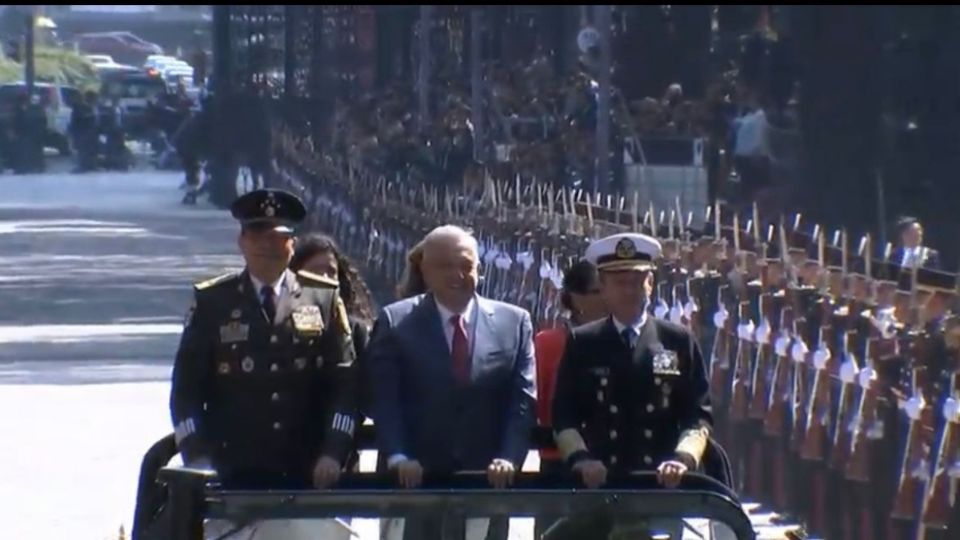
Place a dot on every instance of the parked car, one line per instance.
(57, 101)
(105, 63)
(133, 92)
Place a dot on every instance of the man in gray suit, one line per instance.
(453, 377)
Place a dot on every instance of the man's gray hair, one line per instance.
(452, 232)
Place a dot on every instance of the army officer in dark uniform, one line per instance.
(632, 391)
(263, 383)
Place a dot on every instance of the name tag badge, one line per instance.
(234, 332)
(666, 363)
(307, 320)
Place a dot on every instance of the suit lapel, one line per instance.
(251, 298)
(435, 341)
(289, 298)
(648, 344)
(485, 336)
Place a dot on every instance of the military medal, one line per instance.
(234, 332)
(247, 364)
(300, 363)
(666, 363)
(307, 319)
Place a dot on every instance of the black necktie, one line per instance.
(269, 304)
(628, 335)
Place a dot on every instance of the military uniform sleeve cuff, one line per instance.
(569, 443)
(693, 443)
(686, 459)
(577, 457)
(184, 430)
(395, 460)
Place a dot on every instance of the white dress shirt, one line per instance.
(277, 287)
(637, 326)
(468, 317)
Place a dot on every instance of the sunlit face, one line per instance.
(450, 270)
(912, 236)
(324, 264)
(265, 249)
(625, 293)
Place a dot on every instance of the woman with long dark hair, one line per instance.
(319, 254)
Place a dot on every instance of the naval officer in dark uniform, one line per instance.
(264, 379)
(632, 391)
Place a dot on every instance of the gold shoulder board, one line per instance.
(317, 279)
(215, 281)
(342, 317)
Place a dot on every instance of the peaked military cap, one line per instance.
(625, 251)
(265, 207)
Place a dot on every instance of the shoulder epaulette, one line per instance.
(317, 279)
(215, 281)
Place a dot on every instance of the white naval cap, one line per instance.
(625, 251)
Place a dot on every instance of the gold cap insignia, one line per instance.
(626, 249)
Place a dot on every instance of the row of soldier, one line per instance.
(833, 371)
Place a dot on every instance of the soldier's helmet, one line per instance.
(624, 252)
(269, 209)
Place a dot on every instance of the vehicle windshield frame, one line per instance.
(376, 496)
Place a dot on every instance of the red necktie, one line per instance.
(460, 351)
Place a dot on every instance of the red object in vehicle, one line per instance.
(548, 346)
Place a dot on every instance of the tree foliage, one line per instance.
(54, 65)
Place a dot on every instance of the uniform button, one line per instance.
(657, 381)
(233, 347)
(600, 396)
(275, 397)
(603, 381)
(274, 367)
(648, 433)
(273, 339)
(648, 460)
(650, 407)
(277, 426)
(613, 460)
(614, 409)
(613, 434)
(583, 425)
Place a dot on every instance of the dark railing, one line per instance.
(195, 496)
(188, 496)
